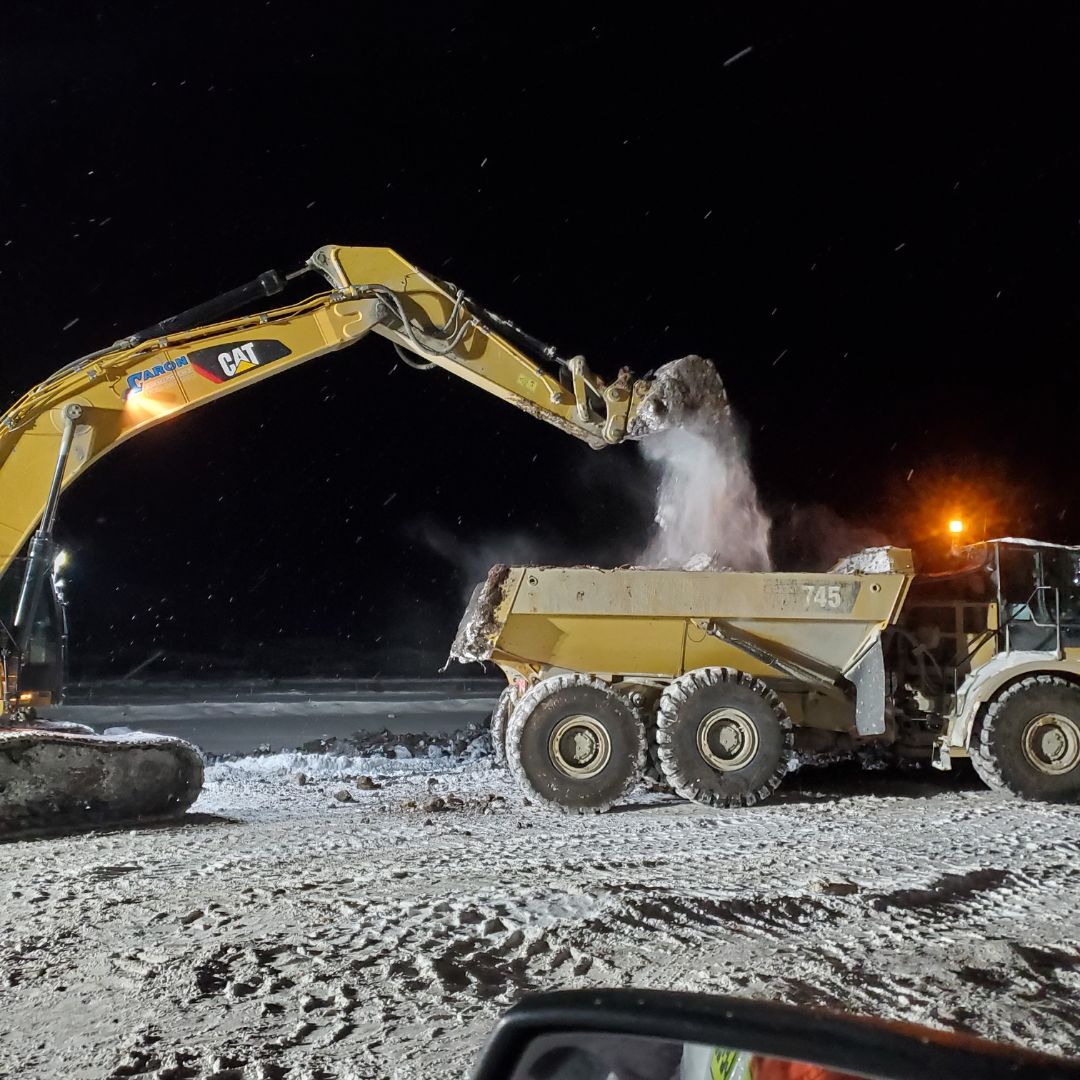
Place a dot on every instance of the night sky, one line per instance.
(871, 222)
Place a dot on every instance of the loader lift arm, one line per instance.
(66, 423)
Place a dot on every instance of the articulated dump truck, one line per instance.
(716, 683)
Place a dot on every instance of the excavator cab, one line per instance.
(40, 677)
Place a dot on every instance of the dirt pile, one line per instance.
(468, 744)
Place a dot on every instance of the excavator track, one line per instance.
(61, 776)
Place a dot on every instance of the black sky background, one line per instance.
(885, 199)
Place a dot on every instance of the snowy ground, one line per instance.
(280, 932)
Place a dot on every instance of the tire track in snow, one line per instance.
(374, 937)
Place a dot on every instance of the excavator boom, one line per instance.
(66, 423)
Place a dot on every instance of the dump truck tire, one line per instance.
(724, 738)
(646, 713)
(499, 717)
(1027, 743)
(654, 771)
(575, 745)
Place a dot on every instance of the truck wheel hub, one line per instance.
(727, 739)
(1052, 743)
(580, 747)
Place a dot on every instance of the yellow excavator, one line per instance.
(56, 774)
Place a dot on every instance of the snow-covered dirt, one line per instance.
(282, 931)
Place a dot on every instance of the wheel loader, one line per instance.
(718, 682)
(55, 774)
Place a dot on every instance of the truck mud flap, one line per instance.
(868, 677)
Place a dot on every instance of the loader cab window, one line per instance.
(1061, 569)
(1034, 583)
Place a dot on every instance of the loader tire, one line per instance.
(575, 745)
(499, 716)
(1027, 741)
(724, 738)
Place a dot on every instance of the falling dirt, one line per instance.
(708, 513)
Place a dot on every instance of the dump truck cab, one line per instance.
(1038, 588)
(1030, 592)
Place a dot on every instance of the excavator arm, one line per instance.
(62, 426)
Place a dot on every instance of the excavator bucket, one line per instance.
(685, 393)
(66, 776)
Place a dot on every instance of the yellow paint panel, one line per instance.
(715, 653)
(864, 598)
(594, 644)
(588, 619)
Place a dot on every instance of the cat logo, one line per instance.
(239, 359)
(231, 359)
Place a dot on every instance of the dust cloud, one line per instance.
(708, 512)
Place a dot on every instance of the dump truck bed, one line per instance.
(664, 622)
